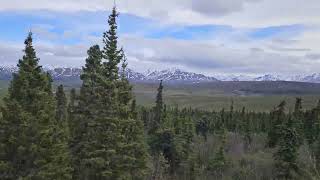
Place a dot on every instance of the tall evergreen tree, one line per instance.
(298, 119)
(33, 146)
(97, 131)
(247, 134)
(133, 148)
(218, 164)
(158, 111)
(111, 53)
(311, 126)
(164, 132)
(278, 118)
(111, 139)
(61, 109)
(158, 137)
(203, 127)
(71, 112)
(317, 155)
(287, 152)
(241, 124)
(85, 109)
(231, 123)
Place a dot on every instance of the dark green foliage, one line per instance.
(33, 143)
(203, 127)
(312, 125)
(110, 52)
(298, 119)
(287, 152)
(231, 120)
(61, 109)
(133, 148)
(317, 154)
(219, 163)
(278, 118)
(156, 123)
(108, 140)
(172, 138)
(71, 110)
(242, 116)
(247, 133)
(83, 109)
(76, 133)
(311, 128)
(160, 137)
(158, 111)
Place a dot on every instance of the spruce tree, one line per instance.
(155, 134)
(33, 145)
(231, 123)
(111, 53)
(218, 164)
(84, 109)
(61, 109)
(133, 148)
(110, 138)
(317, 117)
(158, 111)
(96, 127)
(311, 126)
(287, 152)
(71, 112)
(242, 123)
(247, 134)
(75, 132)
(317, 154)
(278, 119)
(298, 119)
(203, 127)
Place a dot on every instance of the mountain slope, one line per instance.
(175, 75)
(178, 75)
(168, 75)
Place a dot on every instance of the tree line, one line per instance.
(100, 133)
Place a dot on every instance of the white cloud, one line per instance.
(208, 57)
(248, 13)
(226, 52)
(218, 7)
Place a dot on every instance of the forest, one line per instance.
(100, 133)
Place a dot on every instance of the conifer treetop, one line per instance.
(29, 59)
(111, 54)
(159, 100)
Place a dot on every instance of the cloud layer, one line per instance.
(207, 36)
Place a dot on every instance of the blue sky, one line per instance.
(15, 25)
(233, 38)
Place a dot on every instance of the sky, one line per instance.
(205, 36)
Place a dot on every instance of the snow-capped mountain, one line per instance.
(168, 75)
(315, 78)
(268, 77)
(132, 75)
(64, 73)
(235, 77)
(178, 75)
(6, 72)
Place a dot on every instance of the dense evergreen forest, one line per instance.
(99, 133)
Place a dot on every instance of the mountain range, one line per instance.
(168, 75)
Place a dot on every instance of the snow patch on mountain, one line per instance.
(177, 75)
(169, 75)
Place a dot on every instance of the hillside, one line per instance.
(172, 75)
(260, 96)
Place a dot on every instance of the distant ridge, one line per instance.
(168, 75)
